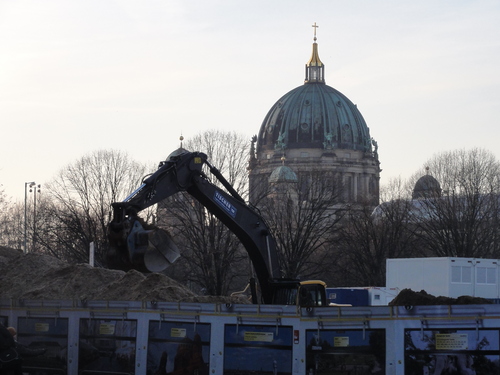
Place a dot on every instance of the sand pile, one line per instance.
(42, 277)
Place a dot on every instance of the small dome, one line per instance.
(177, 152)
(426, 187)
(283, 174)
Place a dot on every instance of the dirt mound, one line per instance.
(138, 287)
(42, 277)
(7, 254)
(408, 297)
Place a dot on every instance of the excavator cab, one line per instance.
(309, 293)
(312, 293)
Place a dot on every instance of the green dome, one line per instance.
(317, 129)
(314, 116)
(283, 174)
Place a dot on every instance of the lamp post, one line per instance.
(36, 188)
(26, 184)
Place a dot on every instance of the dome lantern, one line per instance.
(315, 70)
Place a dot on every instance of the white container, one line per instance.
(447, 276)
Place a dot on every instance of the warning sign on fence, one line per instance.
(452, 341)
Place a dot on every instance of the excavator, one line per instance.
(135, 244)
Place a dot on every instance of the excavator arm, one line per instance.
(135, 245)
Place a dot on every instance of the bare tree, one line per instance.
(303, 217)
(75, 210)
(12, 223)
(458, 218)
(228, 151)
(368, 237)
(396, 189)
(212, 258)
(464, 220)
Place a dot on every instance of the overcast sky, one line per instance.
(80, 76)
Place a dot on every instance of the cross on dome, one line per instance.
(315, 27)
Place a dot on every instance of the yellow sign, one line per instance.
(178, 332)
(341, 341)
(41, 327)
(259, 336)
(452, 341)
(106, 329)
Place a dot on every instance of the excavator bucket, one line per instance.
(161, 252)
(145, 250)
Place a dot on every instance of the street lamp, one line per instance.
(26, 184)
(36, 188)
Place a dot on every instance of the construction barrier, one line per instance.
(159, 338)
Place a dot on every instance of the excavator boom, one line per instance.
(136, 245)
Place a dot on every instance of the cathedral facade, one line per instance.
(314, 128)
